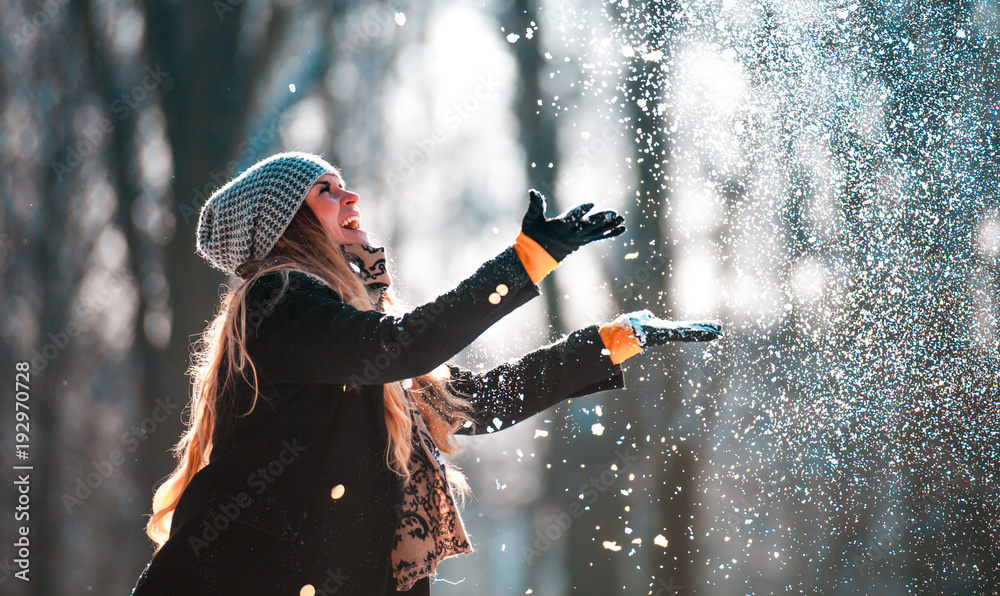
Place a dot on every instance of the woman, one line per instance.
(312, 462)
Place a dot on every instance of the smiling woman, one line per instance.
(337, 209)
(313, 457)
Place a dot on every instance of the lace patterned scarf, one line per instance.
(430, 528)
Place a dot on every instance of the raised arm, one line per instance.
(310, 336)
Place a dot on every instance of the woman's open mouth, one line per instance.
(352, 222)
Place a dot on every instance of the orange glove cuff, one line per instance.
(537, 262)
(619, 340)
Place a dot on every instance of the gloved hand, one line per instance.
(565, 233)
(652, 331)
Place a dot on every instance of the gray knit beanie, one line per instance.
(244, 219)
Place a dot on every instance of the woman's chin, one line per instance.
(347, 236)
(362, 237)
(357, 237)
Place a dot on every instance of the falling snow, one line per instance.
(831, 176)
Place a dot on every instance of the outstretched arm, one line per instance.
(585, 362)
(514, 391)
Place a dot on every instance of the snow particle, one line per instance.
(611, 545)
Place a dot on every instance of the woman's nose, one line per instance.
(350, 198)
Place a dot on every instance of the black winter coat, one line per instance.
(299, 492)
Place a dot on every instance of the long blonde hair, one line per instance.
(305, 246)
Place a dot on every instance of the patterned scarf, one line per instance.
(369, 263)
(430, 528)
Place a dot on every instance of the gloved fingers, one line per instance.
(595, 226)
(703, 330)
(536, 206)
(607, 231)
(658, 331)
(612, 232)
(713, 325)
(576, 213)
(604, 217)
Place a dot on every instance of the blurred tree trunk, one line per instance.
(55, 271)
(585, 560)
(56, 258)
(207, 112)
(658, 407)
(198, 147)
(647, 282)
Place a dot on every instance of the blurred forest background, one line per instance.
(819, 175)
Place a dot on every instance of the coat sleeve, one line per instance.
(310, 336)
(514, 391)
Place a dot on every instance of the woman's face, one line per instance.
(337, 210)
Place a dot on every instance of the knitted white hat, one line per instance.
(244, 219)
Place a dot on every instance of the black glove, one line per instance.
(651, 331)
(565, 233)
